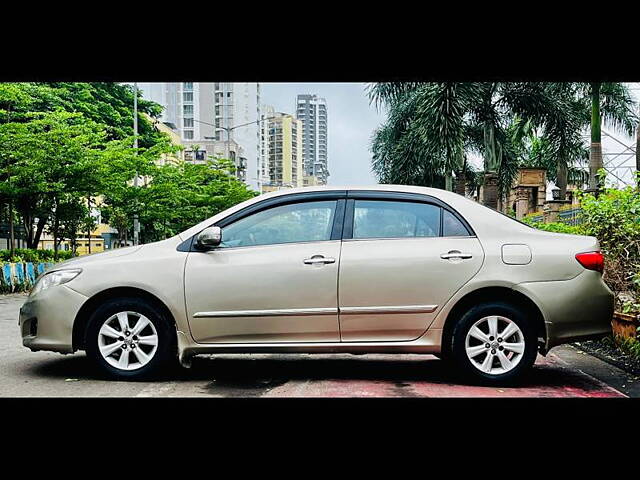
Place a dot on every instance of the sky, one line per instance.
(351, 122)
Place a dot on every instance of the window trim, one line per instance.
(343, 219)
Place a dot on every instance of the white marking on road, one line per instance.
(157, 389)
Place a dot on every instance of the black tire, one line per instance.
(165, 355)
(474, 314)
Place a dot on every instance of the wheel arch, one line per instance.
(90, 306)
(488, 294)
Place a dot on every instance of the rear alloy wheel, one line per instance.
(494, 342)
(494, 345)
(130, 338)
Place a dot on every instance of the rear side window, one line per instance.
(404, 219)
(388, 219)
(452, 227)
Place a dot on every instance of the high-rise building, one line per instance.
(312, 111)
(284, 154)
(266, 112)
(220, 118)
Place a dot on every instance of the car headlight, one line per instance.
(57, 277)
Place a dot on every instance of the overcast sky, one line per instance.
(351, 122)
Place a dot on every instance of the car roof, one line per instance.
(377, 187)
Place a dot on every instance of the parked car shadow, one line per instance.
(248, 374)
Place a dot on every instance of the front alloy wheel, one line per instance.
(130, 338)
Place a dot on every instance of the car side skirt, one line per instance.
(428, 343)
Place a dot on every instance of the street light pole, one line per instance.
(229, 129)
(136, 223)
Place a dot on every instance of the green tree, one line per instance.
(55, 160)
(612, 104)
(175, 197)
(106, 103)
(33, 149)
(11, 98)
(429, 124)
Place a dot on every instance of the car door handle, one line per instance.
(455, 254)
(318, 259)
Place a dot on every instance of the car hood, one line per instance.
(80, 261)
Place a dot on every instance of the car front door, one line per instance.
(403, 257)
(272, 279)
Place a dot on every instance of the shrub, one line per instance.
(33, 255)
(556, 227)
(614, 218)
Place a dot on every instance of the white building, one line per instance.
(312, 111)
(266, 111)
(221, 118)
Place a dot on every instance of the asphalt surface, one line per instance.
(565, 372)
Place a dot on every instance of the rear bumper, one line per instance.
(576, 309)
(46, 320)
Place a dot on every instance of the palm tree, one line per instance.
(638, 155)
(595, 155)
(430, 125)
(612, 103)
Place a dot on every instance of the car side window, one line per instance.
(393, 219)
(452, 227)
(297, 222)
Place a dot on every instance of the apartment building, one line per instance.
(221, 119)
(266, 112)
(283, 147)
(311, 110)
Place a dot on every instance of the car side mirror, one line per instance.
(209, 238)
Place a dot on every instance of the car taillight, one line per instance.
(591, 261)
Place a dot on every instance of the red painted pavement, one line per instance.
(425, 376)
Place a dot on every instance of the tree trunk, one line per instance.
(88, 225)
(448, 182)
(461, 182)
(42, 222)
(33, 235)
(490, 190)
(638, 155)
(12, 238)
(56, 228)
(595, 155)
(561, 180)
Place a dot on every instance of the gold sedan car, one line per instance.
(392, 269)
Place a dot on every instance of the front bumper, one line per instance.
(573, 310)
(46, 319)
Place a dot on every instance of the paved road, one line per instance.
(566, 372)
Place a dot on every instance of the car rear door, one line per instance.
(403, 257)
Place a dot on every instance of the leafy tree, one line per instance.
(64, 146)
(52, 159)
(174, 197)
(11, 98)
(60, 142)
(430, 125)
(106, 103)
